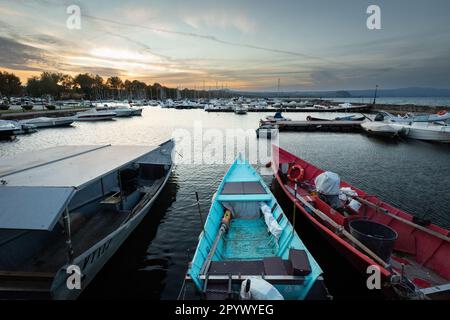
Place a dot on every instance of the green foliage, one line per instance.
(87, 86)
(50, 107)
(4, 106)
(9, 84)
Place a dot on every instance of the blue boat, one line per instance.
(248, 249)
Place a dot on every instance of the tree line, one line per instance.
(93, 87)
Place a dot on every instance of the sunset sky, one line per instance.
(244, 45)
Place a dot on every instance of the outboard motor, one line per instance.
(328, 187)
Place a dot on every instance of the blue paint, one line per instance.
(249, 239)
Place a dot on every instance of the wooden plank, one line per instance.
(410, 223)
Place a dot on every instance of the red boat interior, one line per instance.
(424, 257)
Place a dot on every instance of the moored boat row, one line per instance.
(426, 127)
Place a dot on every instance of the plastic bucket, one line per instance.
(376, 236)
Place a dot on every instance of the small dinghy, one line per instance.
(248, 248)
(46, 122)
(412, 254)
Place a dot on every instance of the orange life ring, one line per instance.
(295, 173)
(442, 112)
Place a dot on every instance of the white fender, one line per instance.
(259, 289)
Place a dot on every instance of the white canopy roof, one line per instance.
(67, 166)
(35, 187)
(32, 208)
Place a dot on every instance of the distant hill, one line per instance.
(400, 92)
(403, 92)
(289, 94)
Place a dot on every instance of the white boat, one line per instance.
(94, 115)
(46, 122)
(381, 128)
(136, 111)
(68, 209)
(121, 111)
(240, 109)
(8, 129)
(426, 131)
(442, 117)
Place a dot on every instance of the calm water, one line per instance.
(152, 262)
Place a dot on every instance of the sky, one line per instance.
(240, 45)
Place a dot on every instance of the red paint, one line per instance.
(427, 250)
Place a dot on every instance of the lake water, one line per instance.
(151, 264)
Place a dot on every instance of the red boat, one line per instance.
(418, 266)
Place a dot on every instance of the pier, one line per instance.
(362, 108)
(330, 126)
(19, 115)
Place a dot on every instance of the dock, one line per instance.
(40, 113)
(355, 109)
(330, 126)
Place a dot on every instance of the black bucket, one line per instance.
(376, 236)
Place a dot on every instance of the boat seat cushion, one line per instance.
(275, 266)
(300, 262)
(251, 187)
(236, 267)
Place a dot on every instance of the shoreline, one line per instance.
(359, 107)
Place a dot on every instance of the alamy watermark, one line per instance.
(74, 279)
(374, 278)
(210, 146)
(74, 19)
(374, 20)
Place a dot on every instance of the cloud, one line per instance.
(221, 19)
(15, 55)
(204, 37)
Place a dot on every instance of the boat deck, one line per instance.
(421, 276)
(93, 230)
(248, 240)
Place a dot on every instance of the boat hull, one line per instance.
(93, 260)
(423, 255)
(240, 256)
(380, 129)
(425, 134)
(94, 118)
(51, 124)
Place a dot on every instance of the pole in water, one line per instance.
(199, 210)
(375, 95)
(293, 211)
